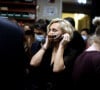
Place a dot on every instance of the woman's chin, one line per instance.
(52, 40)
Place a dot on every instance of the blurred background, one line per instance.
(28, 11)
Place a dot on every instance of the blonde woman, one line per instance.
(50, 60)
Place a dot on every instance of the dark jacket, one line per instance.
(11, 56)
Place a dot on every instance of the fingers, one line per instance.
(65, 40)
(66, 37)
(57, 37)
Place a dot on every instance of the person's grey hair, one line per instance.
(65, 26)
(96, 22)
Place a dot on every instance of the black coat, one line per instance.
(11, 56)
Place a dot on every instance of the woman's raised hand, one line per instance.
(65, 39)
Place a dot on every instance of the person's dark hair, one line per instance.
(71, 20)
(28, 32)
(85, 29)
(41, 24)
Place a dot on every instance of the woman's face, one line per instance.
(55, 32)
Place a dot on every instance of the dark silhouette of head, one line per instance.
(71, 20)
(41, 24)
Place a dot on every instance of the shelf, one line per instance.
(17, 3)
(21, 11)
(24, 11)
(18, 15)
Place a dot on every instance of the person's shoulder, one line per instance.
(5, 21)
(6, 25)
(95, 55)
(89, 56)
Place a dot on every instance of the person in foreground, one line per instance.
(11, 56)
(50, 58)
(86, 70)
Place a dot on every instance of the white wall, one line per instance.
(47, 10)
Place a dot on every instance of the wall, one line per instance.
(81, 20)
(84, 22)
(64, 15)
(47, 10)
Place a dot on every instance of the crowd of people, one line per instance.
(49, 55)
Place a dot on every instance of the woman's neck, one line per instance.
(56, 45)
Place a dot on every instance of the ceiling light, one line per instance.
(82, 1)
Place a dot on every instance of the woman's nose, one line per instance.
(51, 32)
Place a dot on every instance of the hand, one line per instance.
(65, 39)
(47, 42)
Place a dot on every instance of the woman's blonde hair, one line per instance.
(65, 26)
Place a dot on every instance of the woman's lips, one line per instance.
(52, 37)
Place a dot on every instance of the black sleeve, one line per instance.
(69, 58)
(74, 48)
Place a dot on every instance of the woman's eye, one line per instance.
(54, 30)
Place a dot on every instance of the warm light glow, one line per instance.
(79, 16)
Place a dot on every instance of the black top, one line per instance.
(76, 46)
(86, 71)
(77, 43)
(44, 77)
